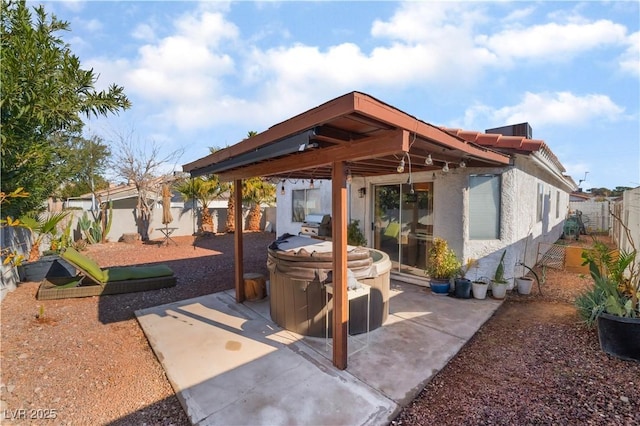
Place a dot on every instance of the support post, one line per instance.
(239, 255)
(339, 236)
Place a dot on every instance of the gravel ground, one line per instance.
(88, 362)
(533, 363)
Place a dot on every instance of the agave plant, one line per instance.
(41, 226)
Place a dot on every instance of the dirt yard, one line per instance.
(88, 362)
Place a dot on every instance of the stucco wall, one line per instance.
(284, 202)
(629, 211)
(521, 231)
(595, 214)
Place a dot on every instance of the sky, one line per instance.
(204, 74)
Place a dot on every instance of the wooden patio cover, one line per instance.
(354, 133)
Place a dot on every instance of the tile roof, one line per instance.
(507, 144)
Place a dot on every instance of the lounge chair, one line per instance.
(95, 281)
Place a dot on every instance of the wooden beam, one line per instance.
(390, 142)
(239, 253)
(339, 235)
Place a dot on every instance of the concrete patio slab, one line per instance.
(230, 364)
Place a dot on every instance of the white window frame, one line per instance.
(307, 209)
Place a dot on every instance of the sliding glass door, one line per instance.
(403, 224)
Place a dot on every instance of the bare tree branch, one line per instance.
(140, 163)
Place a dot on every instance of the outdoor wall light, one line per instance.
(362, 192)
(428, 161)
(463, 164)
(433, 176)
(400, 167)
(349, 176)
(282, 189)
(445, 168)
(311, 184)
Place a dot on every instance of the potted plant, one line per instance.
(498, 282)
(37, 267)
(612, 303)
(480, 287)
(443, 266)
(524, 285)
(355, 237)
(463, 284)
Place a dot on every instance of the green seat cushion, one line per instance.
(123, 273)
(85, 264)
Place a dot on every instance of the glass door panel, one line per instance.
(403, 224)
(416, 211)
(386, 225)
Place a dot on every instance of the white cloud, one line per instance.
(184, 75)
(518, 15)
(630, 59)
(144, 32)
(91, 25)
(207, 28)
(552, 41)
(182, 72)
(541, 109)
(74, 5)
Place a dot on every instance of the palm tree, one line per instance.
(203, 190)
(257, 191)
(41, 226)
(231, 207)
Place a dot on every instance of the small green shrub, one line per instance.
(443, 262)
(355, 237)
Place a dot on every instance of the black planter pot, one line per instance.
(463, 288)
(619, 336)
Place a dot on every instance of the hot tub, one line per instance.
(299, 267)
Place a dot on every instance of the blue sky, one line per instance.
(203, 74)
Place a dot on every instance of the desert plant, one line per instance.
(498, 276)
(92, 229)
(616, 289)
(443, 262)
(40, 227)
(355, 237)
(468, 266)
(616, 276)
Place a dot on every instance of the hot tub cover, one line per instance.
(308, 258)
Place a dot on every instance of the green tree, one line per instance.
(88, 160)
(43, 96)
(204, 190)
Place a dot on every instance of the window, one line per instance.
(557, 204)
(484, 207)
(539, 206)
(305, 202)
